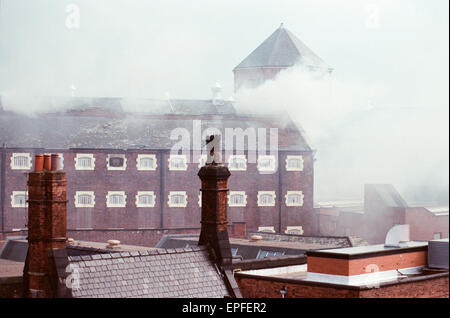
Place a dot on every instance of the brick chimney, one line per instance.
(214, 176)
(46, 226)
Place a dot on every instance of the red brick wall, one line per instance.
(11, 287)
(423, 224)
(270, 288)
(131, 180)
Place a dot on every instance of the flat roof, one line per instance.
(369, 250)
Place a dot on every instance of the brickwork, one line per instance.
(424, 224)
(100, 181)
(263, 287)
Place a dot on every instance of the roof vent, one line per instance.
(438, 254)
(112, 244)
(217, 94)
(398, 236)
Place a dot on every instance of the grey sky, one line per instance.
(389, 55)
(145, 48)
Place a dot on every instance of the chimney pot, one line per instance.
(113, 244)
(47, 162)
(55, 162)
(38, 163)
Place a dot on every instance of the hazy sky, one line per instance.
(147, 48)
(387, 120)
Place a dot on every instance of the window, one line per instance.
(21, 161)
(116, 162)
(266, 163)
(266, 198)
(237, 198)
(19, 199)
(145, 199)
(437, 236)
(116, 199)
(177, 162)
(177, 199)
(84, 161)
(200, 199)
(294, 198)
(146, 162)
(294, 230)
(84, 199)
(237, 163)
(264, 254)
(266, 229)
(294, 163)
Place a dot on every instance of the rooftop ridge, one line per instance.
(112, 254)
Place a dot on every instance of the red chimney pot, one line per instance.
(47, 163)
(55, 162)
(38, 163)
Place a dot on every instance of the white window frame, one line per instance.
(298, 229)
(146, 156)
(296, 157)
(294, 193)
(80, 155)
(184, 168)
(261, 193)
(142, 205)
(200, 199)
(231, 193)
(178, 205)
(81, 205)
(123, 156)
(231, 158)
(202, 160)
(21, 154)
(272, 166)
(111, 193)
(266, 229)
(15, 193)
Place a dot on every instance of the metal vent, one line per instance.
(438, 254)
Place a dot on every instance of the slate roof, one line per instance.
(173, 273)
(282, 49)
(388, 194)
(108, 129)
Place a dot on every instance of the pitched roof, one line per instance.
(282, 49)
(388, 194)
(174, 273)
(119, 130)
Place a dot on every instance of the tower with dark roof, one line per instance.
(279, 51)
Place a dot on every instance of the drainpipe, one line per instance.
(2, 182)
(280, 194)
(162, 167)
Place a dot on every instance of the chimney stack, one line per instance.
(46, 225)
(214, 176)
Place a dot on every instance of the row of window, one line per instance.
(147, 199)
(86, 161)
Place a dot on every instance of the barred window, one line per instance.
(237, 198)
(116, 199)
(84, 162)
(146, 162)
(294, 198)
(177, 162)
(21, 161)
(266, 163)
(177, 199)
(19, 199)
(84, 199)
(294, 163)
(145, 199)
(237, 162)
(266, 198)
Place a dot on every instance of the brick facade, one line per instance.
(269, 287)
(161, 216)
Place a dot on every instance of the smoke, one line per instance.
(363, 133)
